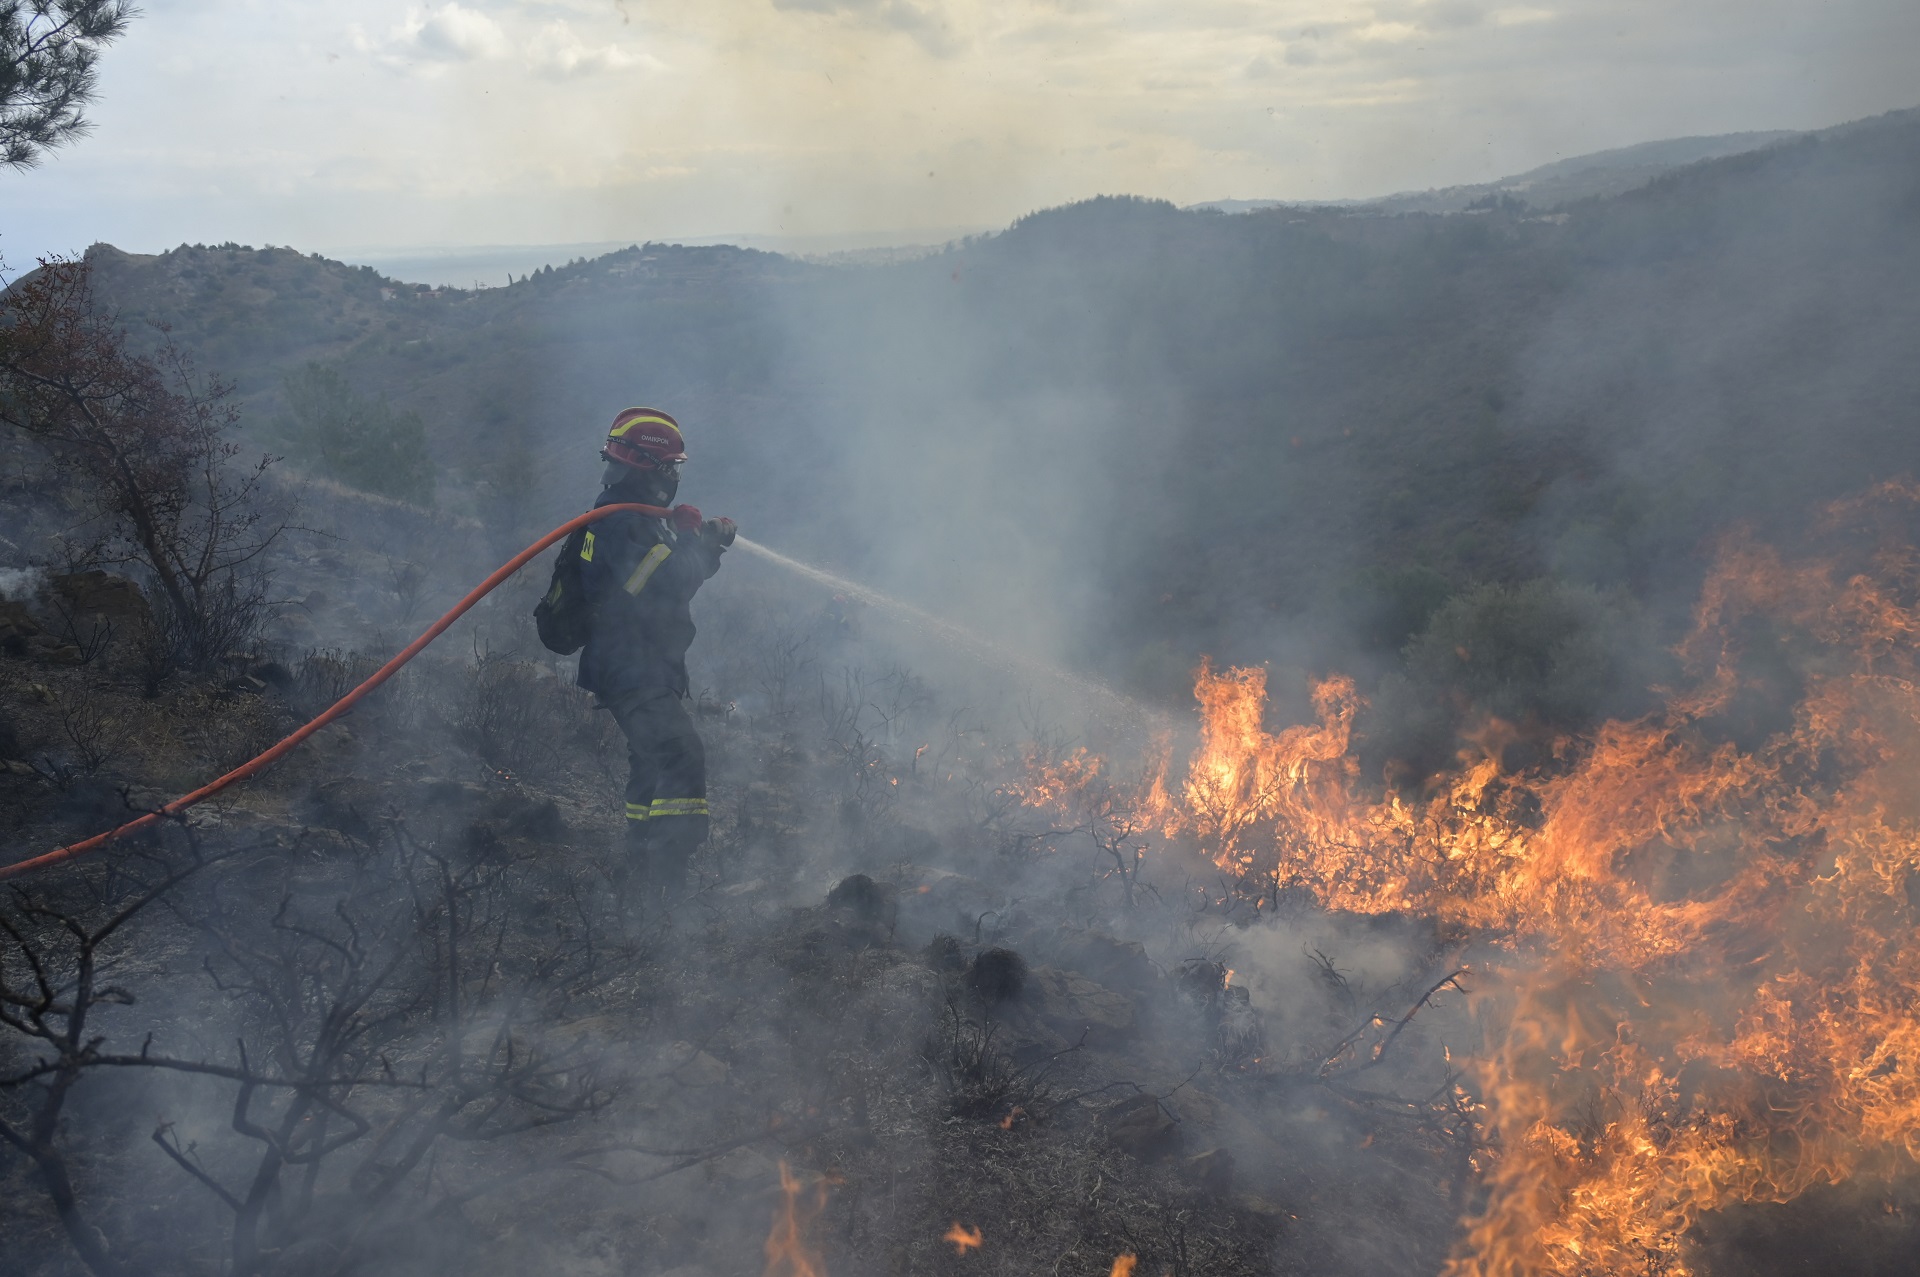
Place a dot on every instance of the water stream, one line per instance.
(957, 637)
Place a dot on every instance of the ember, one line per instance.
(963, 1238)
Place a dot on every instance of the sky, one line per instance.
(354, 127)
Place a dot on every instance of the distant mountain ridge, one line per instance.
(1600, 174)
(1202, 430)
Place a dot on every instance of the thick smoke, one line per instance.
(1474, 461)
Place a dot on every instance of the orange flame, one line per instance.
(1123, 1266)
(788, 1254)
(963, 1238)
(1045, 781)
(1705, 970)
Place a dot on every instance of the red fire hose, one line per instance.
(339, 707)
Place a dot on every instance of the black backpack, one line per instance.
(563, 617)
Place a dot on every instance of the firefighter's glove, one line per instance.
(685, 518)
(720, 532)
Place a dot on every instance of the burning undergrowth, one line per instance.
(956, 996)
(1687, 937)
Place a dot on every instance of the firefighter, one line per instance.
(639, 575)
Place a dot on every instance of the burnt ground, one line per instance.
(937, 1008)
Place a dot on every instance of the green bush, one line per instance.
(1543, 656)
(359, 441)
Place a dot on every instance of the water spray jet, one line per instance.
(959, 638)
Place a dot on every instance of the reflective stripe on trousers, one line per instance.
(660, 808)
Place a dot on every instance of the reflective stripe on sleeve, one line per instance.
(679, 807)
(655, 557)
(586, 549)
(637, 811)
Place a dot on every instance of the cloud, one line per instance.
(558, 53)
(452, 33)
(1452, 14)
(925, 21)
(827, 114)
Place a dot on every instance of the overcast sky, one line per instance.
(336, 125)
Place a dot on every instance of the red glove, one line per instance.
(685, 518)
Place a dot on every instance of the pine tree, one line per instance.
(47, 53)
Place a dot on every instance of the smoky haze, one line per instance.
(1123, 436)
(942, 969)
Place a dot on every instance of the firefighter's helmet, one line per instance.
(645, 439)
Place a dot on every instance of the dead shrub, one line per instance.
(90, 736)
(980, 1080)
(518, 718)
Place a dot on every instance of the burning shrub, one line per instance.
(1541, 657)
(1699, 967)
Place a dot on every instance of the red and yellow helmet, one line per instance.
(645, 438)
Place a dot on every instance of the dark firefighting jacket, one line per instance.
(640, 577)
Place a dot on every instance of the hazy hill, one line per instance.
(1133, 433)
(1601, 174)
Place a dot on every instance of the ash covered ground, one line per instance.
(381, 1009)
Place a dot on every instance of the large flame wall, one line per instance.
(1707, 983)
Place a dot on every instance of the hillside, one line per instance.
(1498, 857)
(1132, 434)
(1595, 176)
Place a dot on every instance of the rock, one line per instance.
(103, 594)
(1070, 1004)
(946, 901)
(274, 675)
(1139, 1127)
(247, 684)
(16, 627)
(1118, 964)
(51, 651)
(699, 1069)
(1212, 1171)
(1195, 1108)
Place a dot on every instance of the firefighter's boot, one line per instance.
(676, 827)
